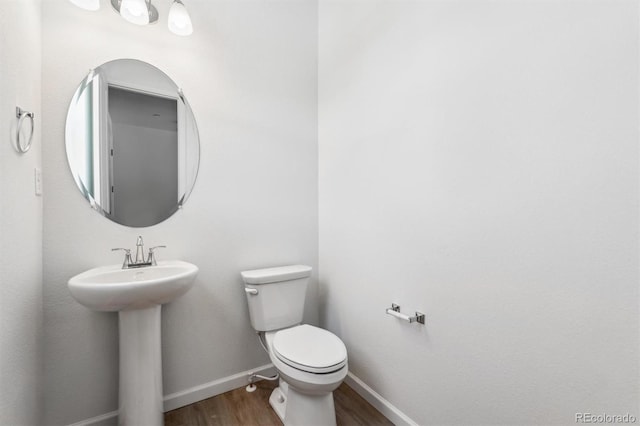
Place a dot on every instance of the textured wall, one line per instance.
(21, 346)
(479, 162)
(249, 72)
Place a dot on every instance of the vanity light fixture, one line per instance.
(139, 12)
(179, 21)
(87, 4)
(135, 11)
(142, 12)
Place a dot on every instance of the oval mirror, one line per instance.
(132, 143)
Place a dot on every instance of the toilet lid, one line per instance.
(310, 348)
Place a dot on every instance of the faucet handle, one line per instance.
(152, 258)
(127, 251)
(127, 256)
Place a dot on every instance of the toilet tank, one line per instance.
(276, 296)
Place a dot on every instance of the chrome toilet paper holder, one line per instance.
(394, 311)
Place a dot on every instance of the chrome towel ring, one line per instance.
(21, 115)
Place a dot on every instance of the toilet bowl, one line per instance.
(311, 361)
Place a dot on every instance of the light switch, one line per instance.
(38, 180)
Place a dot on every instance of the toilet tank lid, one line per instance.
(272, 275)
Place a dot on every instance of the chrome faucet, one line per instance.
(139, 250)
(140, 261)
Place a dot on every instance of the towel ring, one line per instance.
(21, 115)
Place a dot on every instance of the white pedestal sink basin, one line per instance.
(136, 294)
(111, 288)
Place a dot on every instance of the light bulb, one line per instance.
(179, 21)
(87, 4)
(135, 11)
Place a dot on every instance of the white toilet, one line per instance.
(312, 362)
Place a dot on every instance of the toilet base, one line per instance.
(278, 402)
(299, 409)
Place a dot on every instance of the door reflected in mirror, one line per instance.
(132, 143)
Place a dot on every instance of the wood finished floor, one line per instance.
(241, 408)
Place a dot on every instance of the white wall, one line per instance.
(249, 72)
(20, 218)
(479, 162)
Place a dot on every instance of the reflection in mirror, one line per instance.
(132, 143)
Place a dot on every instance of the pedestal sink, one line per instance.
(136, 294)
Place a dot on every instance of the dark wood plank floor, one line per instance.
(241, 408)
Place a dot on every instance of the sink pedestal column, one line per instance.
(140, 368)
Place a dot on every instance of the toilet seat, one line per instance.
(310, 349)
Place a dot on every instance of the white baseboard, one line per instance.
(225, 384)
(387, 409)
(188, 396)
(207, 390)
(109, 419)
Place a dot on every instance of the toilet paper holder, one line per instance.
(394, 311)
